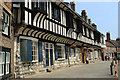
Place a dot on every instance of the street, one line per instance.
(94, 70)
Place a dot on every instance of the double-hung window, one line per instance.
(7, 62)
(34, 51)
(6, 23)
(4, 63)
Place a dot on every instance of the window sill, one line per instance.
(5, 35)
(61, 59)
(5, 76)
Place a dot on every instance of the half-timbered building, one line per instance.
(52, 35)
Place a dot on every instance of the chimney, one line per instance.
(86, 18)
(94, 25)
(72, 4)
(89, 21)
(108, 36)
(83, 13)
(118, 39)
(62, 0)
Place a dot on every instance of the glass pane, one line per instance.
(2, 57)
(7, 57)
(7, 68)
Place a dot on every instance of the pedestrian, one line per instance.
(87, 61)
(109, 58)
(106, 57)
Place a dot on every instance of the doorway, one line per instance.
(49, 53)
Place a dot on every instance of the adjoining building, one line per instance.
(112, 47)
(52, 35)
(6, 40)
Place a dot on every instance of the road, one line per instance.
(94, 70)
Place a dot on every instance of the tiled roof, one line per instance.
(109, 44)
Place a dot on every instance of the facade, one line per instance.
(6, 38)
(50, 35)
(112, 46)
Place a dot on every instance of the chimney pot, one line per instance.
(72, 4)
(108, 36)
(89, 21)
(83, 13)
(94, 25)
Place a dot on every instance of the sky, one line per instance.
(103, 14)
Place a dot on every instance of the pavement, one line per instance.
(95, 70)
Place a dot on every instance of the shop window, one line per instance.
(5, 23)
(61, 51)
(4, 64)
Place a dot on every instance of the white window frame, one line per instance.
(34, 51)
(6, 23)
(2, 63)
(7, 62)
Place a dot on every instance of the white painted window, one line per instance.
(34, 51)
(7, 62)
(6, 21)
(4, 65)
(2, 62)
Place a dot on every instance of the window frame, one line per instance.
(2, 63)
(63, 55)
(5, 51)
(34, 51)
(55, 15)
(8, 23)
